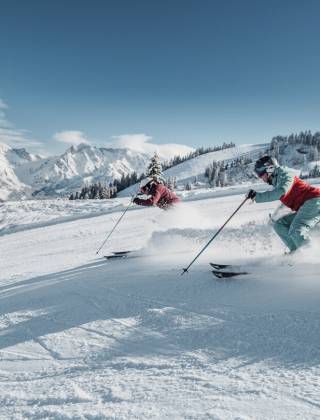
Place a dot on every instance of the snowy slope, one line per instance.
(85, 338)
(195, 167)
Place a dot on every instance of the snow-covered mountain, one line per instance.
(24, 174)
(60, 175)
(10, 184)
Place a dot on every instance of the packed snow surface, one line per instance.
(86, 338)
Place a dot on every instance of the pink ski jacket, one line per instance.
(161, 196)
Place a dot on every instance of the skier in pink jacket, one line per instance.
(158, 194)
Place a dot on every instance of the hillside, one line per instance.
(194, 168)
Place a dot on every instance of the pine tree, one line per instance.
(154, 169)
(82, 194)
(222, 177)
(175, 184)
(104, 193)
(170, 183)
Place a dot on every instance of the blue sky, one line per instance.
(179, 71)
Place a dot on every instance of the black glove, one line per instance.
(251, 194)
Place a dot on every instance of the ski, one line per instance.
(227, 270)
(114, 257)
(117, 254)
(228, 267)
(228, 274)
(220, 266)
(123, 254)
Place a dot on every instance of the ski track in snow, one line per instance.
(86, 338)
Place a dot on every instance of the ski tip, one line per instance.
(219, 266)
(117, 254)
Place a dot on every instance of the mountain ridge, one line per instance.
(24, 174)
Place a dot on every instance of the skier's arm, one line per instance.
(284, 183)
(152, 201)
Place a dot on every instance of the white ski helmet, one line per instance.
(145, 182)
(150, 180)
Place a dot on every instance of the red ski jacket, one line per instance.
(161, 196)
(291, 190)
(299, 193)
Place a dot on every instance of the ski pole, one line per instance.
(119, 220)
(185, 270)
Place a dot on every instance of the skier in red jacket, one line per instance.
(158, 194)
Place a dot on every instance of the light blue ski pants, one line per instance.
(293, 228)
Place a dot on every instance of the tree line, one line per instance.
(94, 192)
(220, 174)
(305, 143)
(304, 147)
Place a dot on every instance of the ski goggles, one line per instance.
(269, 171)
(260, 171)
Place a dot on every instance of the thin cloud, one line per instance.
(72, 137)
(12, 136)
(3, 104)
(142, 143)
